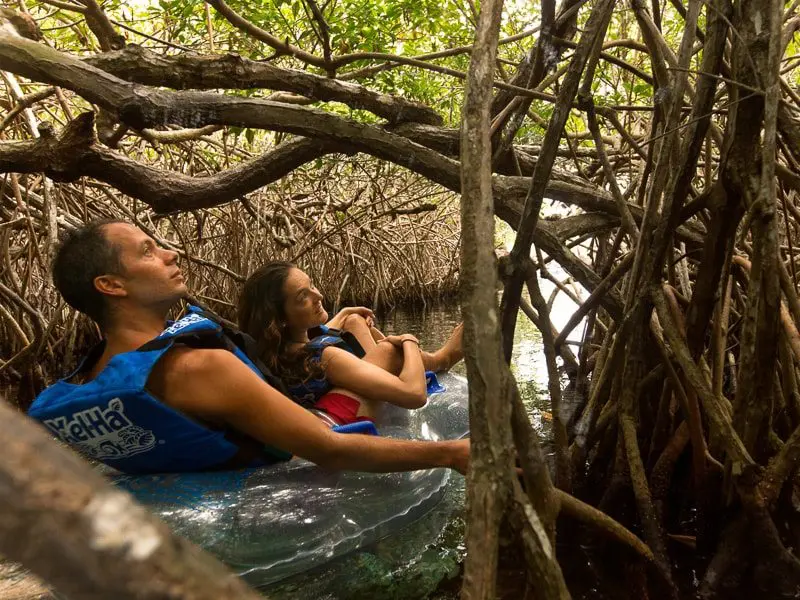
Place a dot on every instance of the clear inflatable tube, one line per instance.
(273, 522)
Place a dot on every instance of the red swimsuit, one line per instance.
(342, 408)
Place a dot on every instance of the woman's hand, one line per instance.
(337, 322)
(398, 340)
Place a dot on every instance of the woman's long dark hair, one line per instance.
(262, 316)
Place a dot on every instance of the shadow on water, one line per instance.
(415, 562)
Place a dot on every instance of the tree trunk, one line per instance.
(87, 539)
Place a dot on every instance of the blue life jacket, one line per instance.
(114, 419)
(307, 392)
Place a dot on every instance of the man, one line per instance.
(195, 407)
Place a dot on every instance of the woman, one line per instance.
(279, 306)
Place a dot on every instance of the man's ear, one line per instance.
(110, 285)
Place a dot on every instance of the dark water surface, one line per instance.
(413, 562)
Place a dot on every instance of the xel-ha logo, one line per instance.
(103, 433)
(183, 323)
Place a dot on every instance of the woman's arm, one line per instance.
(407, 389)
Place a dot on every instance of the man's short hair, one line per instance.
(83, 255)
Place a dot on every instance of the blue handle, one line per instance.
(433, 385)
(364, 427)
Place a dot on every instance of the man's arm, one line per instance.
(217, 386)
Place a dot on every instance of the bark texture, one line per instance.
(88, 539)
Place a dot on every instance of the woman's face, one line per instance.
(302, 302)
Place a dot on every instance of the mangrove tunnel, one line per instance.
(648, 151)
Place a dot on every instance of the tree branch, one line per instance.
(369, 71)
(491, 469)
(323, 33)
(98, 22)
(595, 297)
(141, 65)
(64, 521)
(75, 153)
(595, 29)
(711, 405)
(282, 47)
(598, 520)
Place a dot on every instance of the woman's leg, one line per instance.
(449, 354)
(390, 358)
(366, 335)
(386, 356)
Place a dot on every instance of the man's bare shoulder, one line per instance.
(183, 360)
(192, 378)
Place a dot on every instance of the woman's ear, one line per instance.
(110, 285)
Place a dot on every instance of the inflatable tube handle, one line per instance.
(432, 384)
(363, 427)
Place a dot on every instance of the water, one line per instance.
(412, 563)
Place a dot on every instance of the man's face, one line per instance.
(150, 274)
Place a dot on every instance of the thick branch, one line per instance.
(141, 65)
(489, 480)
(74, 154)
(142, 107)
(711, 405)
(597, 519)
(69, 526)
